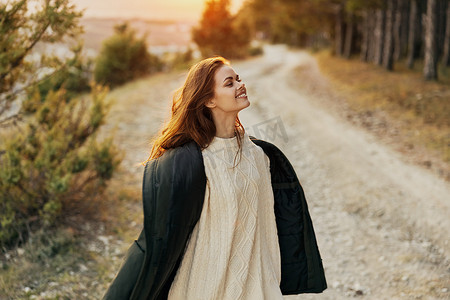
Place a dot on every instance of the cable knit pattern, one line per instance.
(233, 251)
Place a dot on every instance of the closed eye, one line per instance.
(237, 79)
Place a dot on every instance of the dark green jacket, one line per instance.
(173, 192)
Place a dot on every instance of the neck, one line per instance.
(225, 125)
(226, 135)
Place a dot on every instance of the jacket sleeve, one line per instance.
(125, 280)
(173, 190)
(301, 263)
(173, 193)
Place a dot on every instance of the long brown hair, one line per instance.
(191, 119)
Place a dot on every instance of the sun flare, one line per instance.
(151, 9)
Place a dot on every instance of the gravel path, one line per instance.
(380, 222)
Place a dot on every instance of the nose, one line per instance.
(242, 86)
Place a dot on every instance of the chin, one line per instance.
(245, 106)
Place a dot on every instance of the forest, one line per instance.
(378, 31)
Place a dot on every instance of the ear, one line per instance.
(210, 103)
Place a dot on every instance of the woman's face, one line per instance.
(230, 94)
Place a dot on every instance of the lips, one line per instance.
(242, 94)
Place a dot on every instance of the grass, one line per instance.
(50, 260)
(418, 109)
(70, 264)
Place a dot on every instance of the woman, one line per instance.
(216, 227)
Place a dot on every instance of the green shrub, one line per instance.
(53, 168)
(124, 57)
(255, 50)
(182, 60)
(74, 76)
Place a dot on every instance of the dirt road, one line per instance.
(382, 225)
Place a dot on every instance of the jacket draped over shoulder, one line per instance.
(174, 186)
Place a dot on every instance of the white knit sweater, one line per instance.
(233, 252)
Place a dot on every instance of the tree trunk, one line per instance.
(396, 30)
(440, 27)
(339, 31)
(348, 37)
(401, 31)
(379, 36)
(446, 53)
(364, 55)
(388, 57)
(405, 28)
(415, 33)
(371, 35)
(430, 62)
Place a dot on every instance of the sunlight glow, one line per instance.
(190, 10)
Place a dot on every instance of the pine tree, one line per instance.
(51, 166)
(217, 34)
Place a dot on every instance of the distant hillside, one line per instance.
(162, 36)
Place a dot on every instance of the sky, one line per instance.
(186, 10)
